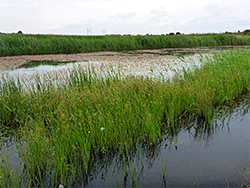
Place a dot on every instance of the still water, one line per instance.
(191, 155)
(215, 155)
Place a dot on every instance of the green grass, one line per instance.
(22, 44)
(66, 127)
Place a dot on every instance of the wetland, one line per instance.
(146, 118)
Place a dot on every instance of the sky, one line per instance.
(97, 17)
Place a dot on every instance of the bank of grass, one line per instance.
(65, 127)
(24, 44)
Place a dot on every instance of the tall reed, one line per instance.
(21, 44)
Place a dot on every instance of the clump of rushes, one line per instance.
(16, 44)
(65, 126)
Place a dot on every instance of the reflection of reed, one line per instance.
(36, 63)
(202, 130)
(146, 153)
(131, 165)
(8, 138)
(246, 176)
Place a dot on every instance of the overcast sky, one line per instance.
(123, 16)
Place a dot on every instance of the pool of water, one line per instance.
(42, 69)
(215, 155)
(163, 68)
(191, 155)
(160, 64)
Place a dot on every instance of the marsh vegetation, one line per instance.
(24, 44)
(87, 115)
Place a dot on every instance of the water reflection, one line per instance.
(37, 63)
(203, 131)
(190, 154)
(203, 155)
(46, 76)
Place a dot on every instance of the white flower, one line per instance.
(61, 186)
(89, 132)
(102, 128)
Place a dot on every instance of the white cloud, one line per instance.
(159, 12)
(120, 16)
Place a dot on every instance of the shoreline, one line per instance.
(13, 62)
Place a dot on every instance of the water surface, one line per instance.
(213, 155)
(191, 155)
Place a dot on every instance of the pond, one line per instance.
(191, 154)
(215, 155)
(136, 62)
(139, 62)
(159, 67)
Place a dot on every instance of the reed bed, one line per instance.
(23, 44)
(67, 126)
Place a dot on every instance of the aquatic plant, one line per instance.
(65, 126)
(16, 44)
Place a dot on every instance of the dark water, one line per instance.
(215, 155)
(37, 63)
(40, 68)
(197, 155)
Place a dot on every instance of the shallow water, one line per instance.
(213, 155)
(186, 51)
(162, 62)
(163, 68)
(42, 69)
(203, 155)
(192, 155)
